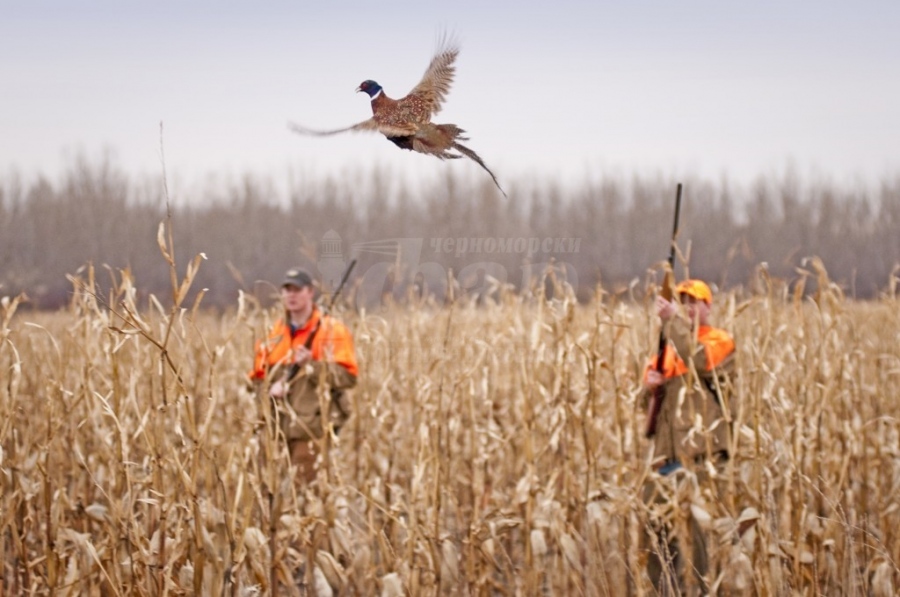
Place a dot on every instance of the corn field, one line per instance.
(495, 449)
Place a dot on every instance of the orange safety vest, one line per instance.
(717, 343)
(332, 342)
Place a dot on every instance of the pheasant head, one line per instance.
(370, 87)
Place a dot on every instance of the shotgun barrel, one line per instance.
(660, 392)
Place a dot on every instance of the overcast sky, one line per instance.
(547, 89)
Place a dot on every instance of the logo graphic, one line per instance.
(331, 261)
(397, 268)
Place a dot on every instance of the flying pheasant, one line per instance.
(406, 122)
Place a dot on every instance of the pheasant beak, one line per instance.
(358, 89)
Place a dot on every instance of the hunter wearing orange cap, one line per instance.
(304, 350)
(692, 425)
(695, 289)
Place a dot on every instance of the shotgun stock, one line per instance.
(659, 393)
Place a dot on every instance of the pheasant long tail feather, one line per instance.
(474, 157)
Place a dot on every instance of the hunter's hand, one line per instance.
(302, 356)
(653, 379)
(277, 389)
(666, 309)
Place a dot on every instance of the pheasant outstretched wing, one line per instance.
(432, 90)
(370, 125)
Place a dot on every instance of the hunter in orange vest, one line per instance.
(306, 356)
(692, 430)
(694, 343)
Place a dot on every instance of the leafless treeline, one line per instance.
(610, 230)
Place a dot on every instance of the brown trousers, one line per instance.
(672, 532)
(309, 410)
(304, 454)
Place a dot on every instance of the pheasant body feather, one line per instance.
(406, 122)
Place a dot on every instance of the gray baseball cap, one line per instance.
(297, 276)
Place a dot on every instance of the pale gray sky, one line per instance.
(555, 92)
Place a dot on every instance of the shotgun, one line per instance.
(668, 283)
(295, 369)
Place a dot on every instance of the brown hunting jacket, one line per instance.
(319, 387)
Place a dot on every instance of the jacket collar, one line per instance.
(310, 324)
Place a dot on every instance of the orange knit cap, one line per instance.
(697, 289)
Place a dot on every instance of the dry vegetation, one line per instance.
(495, 450)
